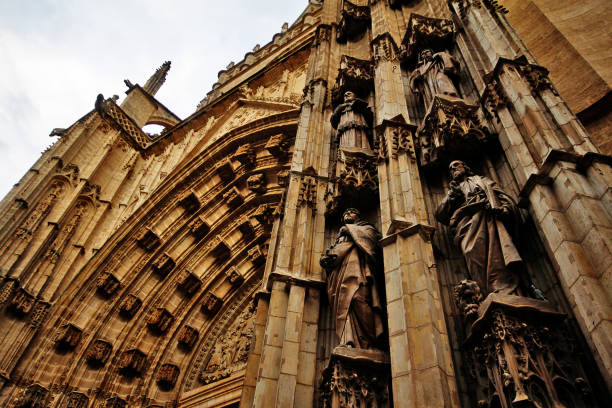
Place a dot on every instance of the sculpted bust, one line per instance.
(354, 283)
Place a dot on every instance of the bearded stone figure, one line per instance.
(354, 283)
(353, 120)
(480, 213)
(432, 75)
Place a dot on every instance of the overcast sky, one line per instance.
(56, 56)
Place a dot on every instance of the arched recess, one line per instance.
(139, 322)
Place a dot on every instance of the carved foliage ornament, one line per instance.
(423, 33)
(230, 353)
(76, 400)
(132, 363)
(167, 376)
(98, 353)
(353, 23)
(35, 396)
(353, 75)
(384, 48)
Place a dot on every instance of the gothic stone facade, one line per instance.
(182, 269)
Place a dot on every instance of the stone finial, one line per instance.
(157, 79)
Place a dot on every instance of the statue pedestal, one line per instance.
(356, 378)
(522, 356)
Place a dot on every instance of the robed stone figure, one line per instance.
(480, 214)
(353, 121)
(354, 283)
(433, 73)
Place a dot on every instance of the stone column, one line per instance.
(421, 366)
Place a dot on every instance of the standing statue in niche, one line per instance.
(432, 75)
(354, 282)
(480, 214)
(353, 120)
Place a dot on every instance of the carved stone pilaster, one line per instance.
(130, 306)
(190, 202)
(98, 353)
(107, 285)
(233, 198)
(68, 337)
(353, 75)
(164, 265)
(356, 378)
(353, 23)
(211, 304)
(245, 155)
(160, 321)
(149, 240)
(188, 337)
(132, 363)
(425, 32)
(519, 353)
(190, 284)
(450, 127)
(257, 183)
(167, 376)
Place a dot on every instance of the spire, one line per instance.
(157, 79)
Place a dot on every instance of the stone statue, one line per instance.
(353, 120)
(431, 76)
(354, 283)
(480, 214)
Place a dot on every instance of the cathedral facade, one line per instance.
(389, 204)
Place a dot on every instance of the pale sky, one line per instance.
(56, 56)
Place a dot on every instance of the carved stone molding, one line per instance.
(257, 182)
(164, 265)
(450, 127)
(245, 154)
(519, 352)
(98, 353)
(257, 255)
(68, 337)
(356, 378)
(160, 321)
(107, 285)
(353, 75)
(278, 145)
(130, 306)
(425, 32)
(199, 227)
(34, 396)
(167, 376)
(395, 137)
(108, 109)
(308, 192)
(211, 304)
(354, 22)
(264, 214)
(282, 178)
(149, 240)
(191, 202)
(8, 288)
(188, 337)
(132, 363)
(190, 284)
(21, 303)
(233, 198)
(384, 48)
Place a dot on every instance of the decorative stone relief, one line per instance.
(425, 33)
(282, 178)
(164, 265)
(132, 363)
(234, 277)
(35, 396)
(278, 145)
(8, 288)
(190, 284)
(107, 284)
(98, 353)
(149, 240)
(230, 352)
(211, 304)
(245, 154)
(191, 202)
(233, 198)
(21, 303)
(308, 192)
(384, 48)
(199, 227)
(257, 255)
(188, 337)
(468, 298)
(68, 337)
(323, 34)
(115, 402)
(167, 376)
(76, 400)
(353, 75)
(160, 321)
(354, 22)
(264, 214)
(130, 306)
(257, 182)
